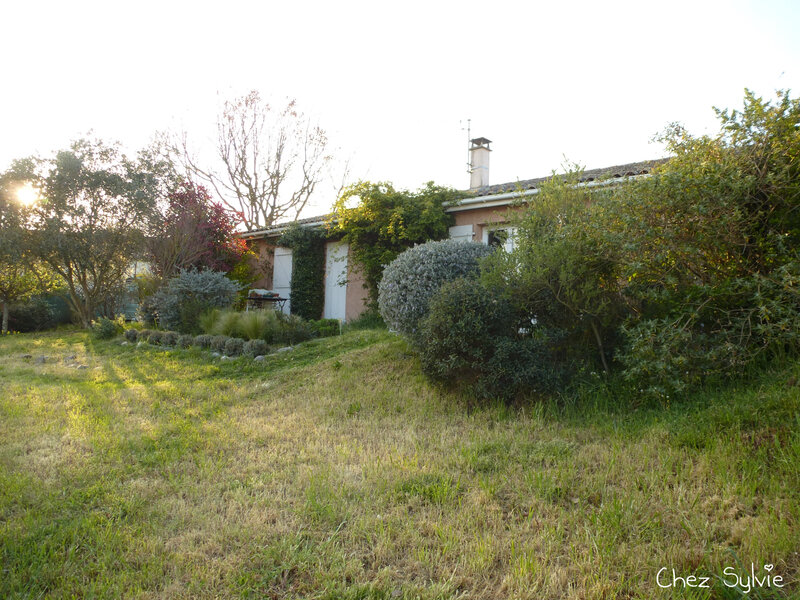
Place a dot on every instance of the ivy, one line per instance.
(307, 293)
(386, 221)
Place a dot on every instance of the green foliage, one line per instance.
(203, 341)
(22, 274)
(144, 335)
(132, 335)
(416, 275)
(89, 225)
(170, 338)
(709, 249)
(325, 327)
(185, 297)
(268, 325)
(386, 222)
(307, 294)
(155, 338)
(561, 273)
(218, 343)
(105, 329)
(471, 337)
(255, 348)
(185, 341)
(234, 346)
(369, 319)
(34, 315)
(690, 272)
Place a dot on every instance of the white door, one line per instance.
(335, 280)
(282, 274)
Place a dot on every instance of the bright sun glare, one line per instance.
(27, 194)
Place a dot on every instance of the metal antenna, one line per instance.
(469, 136)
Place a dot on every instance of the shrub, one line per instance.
(34, 315)
(413, 278)
(471, 337)
(325, 327)
(144, 335)
(369, 319)
(292, 329)
(185, 341)
(170, 338)
(218, 343)
(268, 325)
(255, 348)
(105, 329)
(132, 335)
(184, 298)
(156, 337)
(257, 324)
(203, 341)
(234, 346)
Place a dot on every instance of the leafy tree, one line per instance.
(21, 274)
(89, 225)
(561, 274)
(271, 160)
(386, 221)
(194, 232)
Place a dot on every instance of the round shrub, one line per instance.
(170, 338)
(185, 341)
(156, 338)
(218, 343)
(414, 277)
(105, 329)
(472, 337)
(255, 348)
(132, 335)
(234, 346)
(185, 297)
(203, 341)
(144, 335)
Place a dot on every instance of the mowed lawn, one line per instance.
(336, 471)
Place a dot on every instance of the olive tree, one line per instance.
(21, 275)
(95, 204)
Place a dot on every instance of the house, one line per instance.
(483, 216)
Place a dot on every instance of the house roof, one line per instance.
(628, 170)
(486, 192)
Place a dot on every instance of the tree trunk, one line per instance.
(5, 317)
(600, 346)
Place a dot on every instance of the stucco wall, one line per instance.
(356, 292)
(262, 262)
(480, 217)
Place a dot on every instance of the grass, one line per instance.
(336, 471)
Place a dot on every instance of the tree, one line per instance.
(387, 221)
(21, 275)
(90, 222)
(272, 161)
(193, 232)
(560, 274)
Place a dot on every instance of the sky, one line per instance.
(393, 83)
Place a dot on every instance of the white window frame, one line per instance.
(511, 241)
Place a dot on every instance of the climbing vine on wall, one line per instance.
(385, 221)
(307, 292)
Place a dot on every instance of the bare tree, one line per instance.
(271, 161)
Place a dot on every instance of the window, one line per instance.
(500, 236)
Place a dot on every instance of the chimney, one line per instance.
(479, 162)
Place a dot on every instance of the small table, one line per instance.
(262, 301)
